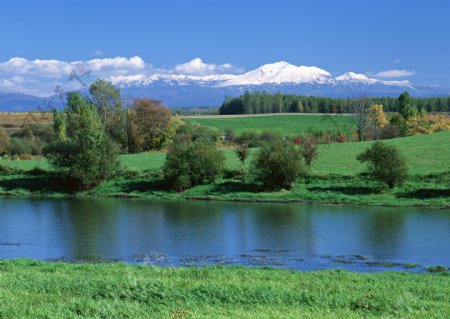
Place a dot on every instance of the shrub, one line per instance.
(390, 131)
(189, 163)
(277, 165)
(229, 136)
(19, 147)
(242, 151)
(198, 132)
(385, 163)
(269, 137)
(250, 138)
(4, 141)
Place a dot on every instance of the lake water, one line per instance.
(199, 233)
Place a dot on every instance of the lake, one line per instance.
(203, 233)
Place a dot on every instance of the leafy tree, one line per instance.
(310, 152)
(277, 165)
(242, 151)
(377, 120)
(108, 101)
(4, 141)
(150, 125)
(191, 163)
(385, 163)
(86, 155)
(405, 108)
(229, 135)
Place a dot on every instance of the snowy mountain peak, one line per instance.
(279, 73)
(355, 77)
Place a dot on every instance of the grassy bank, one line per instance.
(62, 290)
(336, 178)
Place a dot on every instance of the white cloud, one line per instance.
(98, 52)
(395, 73)
(198, 67)
(40, 77)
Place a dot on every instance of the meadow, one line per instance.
(336, 178)
(285, 124)
(39, 289)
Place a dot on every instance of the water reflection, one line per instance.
(124, 229)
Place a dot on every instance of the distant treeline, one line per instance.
(263, 102)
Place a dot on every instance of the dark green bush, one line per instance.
(277, 165)
(198, 132)
(189, 163)
(251, 138)
(19, 147)
(385, 163)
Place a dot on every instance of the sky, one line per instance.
(398, 40)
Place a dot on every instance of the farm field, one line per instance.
(288, 125)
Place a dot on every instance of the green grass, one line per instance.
(335, 178)
(34, 289)
(288, 125)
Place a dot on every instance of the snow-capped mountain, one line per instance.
(179, 90)
(184, 90)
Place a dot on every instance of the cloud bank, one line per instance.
(41, 77)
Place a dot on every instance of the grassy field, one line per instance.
(34, 289)
(288, 125)
(335, 178)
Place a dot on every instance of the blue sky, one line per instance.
(362, 36)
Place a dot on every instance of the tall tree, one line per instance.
(405, 108)
(108, 101)
(86, 156)
(360, 110)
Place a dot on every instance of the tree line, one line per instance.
(263, 102)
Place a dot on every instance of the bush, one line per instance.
(4, 141)
(309, 152)
(277, 165)
(189, 163)
(198, 132)
(19, 147)
(229, 136)
(390, 131)
(385, 163)
(250, 138)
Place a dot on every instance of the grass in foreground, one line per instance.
(62, 290)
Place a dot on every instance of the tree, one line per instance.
(405, 108)
(309, 151)
(191, 163)
(86, 155)
(360, 110)
(242, 151)
(108, 101)
(4, 141)
(385, 163)
(377, 120)
(150, 125)
(277, 165)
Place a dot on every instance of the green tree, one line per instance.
(385, 163)
(191, 163)
(108, 101)
(242, 151)
(86, 156)
(277, 165)
(310, 151)
(405, 107)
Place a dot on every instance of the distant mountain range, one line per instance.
(178, 90)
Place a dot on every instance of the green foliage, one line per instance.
(87, 156)
(229, 135)
(310, 151)
(385, 163)
(19, 147)
(277, 165)
(198, 132)
(106, 97)
(405, 107)
(189, 163)
(263, 102)
(4, 141)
